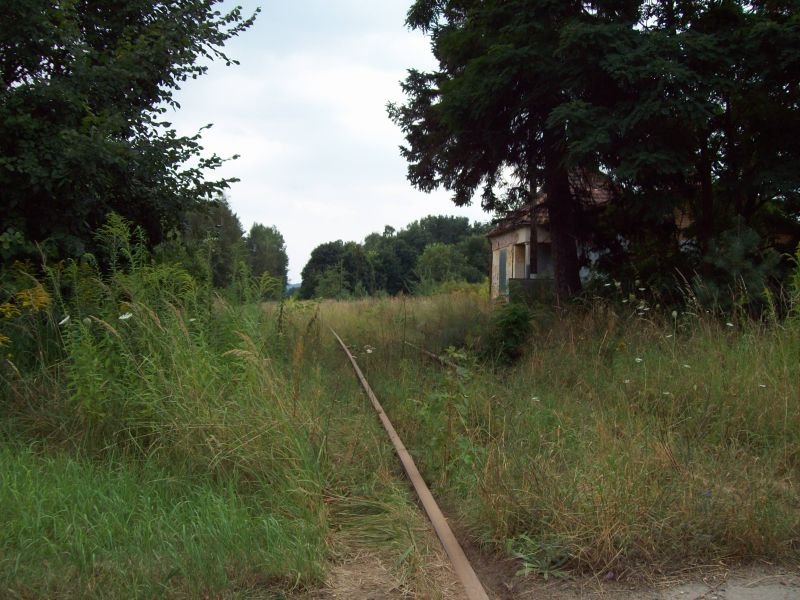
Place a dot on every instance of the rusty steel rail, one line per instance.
(472, 585)
(441, 360)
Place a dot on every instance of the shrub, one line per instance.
(511, 329)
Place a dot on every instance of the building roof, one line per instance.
(593, 190)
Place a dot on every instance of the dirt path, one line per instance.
(368, 578)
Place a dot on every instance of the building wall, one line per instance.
(510, 241)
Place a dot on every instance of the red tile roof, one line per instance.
(594, 190)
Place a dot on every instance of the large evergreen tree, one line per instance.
(689, 106)
(487, 112)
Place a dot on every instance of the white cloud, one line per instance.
(305, 110)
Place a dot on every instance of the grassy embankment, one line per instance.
(160, 442)
(617, 440)
(197, 447)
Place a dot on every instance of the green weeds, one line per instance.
(614, 441)
(158, 441)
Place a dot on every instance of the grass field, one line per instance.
(177, 446)
(615, 441)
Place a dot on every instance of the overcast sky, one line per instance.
(305, 110)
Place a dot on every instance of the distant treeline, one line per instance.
(428, 252)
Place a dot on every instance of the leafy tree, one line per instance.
(213, 237)
(441, 262)
(433, 229)
(84, 87)
(332, 283)
(358, 270)
(704, 120)
(487, 111)
(266, 252)
(323, 258)
(393, 260)
(477, 253)
(690, 108)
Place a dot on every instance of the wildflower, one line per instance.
(666, 393)
(729, 324)
(668, 336)
(674, 314)
(686, 366)
(192, 320)
(642, 289)
(369, 349)
(34, 299)
(64, 321)
(761, 385)
(125, 316)
(626, 381)
(8, 310)
(638, 360)
(535, 398)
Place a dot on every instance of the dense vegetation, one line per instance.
(172, 426)
(427, 253)
(85, 88)
(616, 442)
(689, 109)
(160, 441)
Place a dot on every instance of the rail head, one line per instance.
(461, 565)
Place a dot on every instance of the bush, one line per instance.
(511, 329)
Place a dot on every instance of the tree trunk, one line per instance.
(705, 217)
(533, 259)
(562, 206)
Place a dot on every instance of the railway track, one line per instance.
(473, 588)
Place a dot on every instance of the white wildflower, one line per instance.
(638, 360)
(125, 316)
(761, 385)
(729, 324)
(686, 366)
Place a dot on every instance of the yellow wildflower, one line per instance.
(8, 310)
(34, 299)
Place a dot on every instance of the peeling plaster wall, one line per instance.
(507, 241)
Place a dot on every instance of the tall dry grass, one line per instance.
(618, 439)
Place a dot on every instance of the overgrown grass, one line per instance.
(164, 443)
(161, 442)
(615, 441)
(79, 528)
